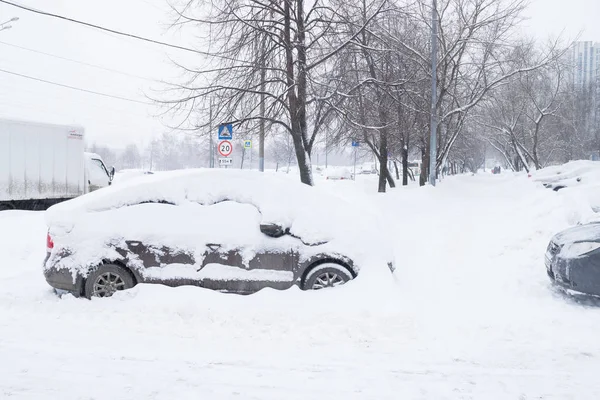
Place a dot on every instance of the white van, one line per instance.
(44, 164)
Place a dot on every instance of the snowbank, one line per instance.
(472, 316)
(579, 183)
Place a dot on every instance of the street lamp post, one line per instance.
(434, 122)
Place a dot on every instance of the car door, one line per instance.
(228, 271)
(158, 241)
(97, 175)
(246, 260)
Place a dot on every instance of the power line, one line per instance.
(7, 92)
(152, 5)
(75, 88)
(61, 115)
(103, 28)
(80, 62)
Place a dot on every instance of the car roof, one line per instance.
(279, 199)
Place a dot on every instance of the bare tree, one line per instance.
(521, 114)
(475, 41)
(266, 60)
(282, 151)
(130, 157)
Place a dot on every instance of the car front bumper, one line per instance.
(62, 279)
(580, 275)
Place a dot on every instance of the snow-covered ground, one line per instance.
(472, 315)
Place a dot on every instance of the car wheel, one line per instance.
(106, 280)
(326, 275)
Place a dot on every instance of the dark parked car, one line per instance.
(230, 231)
(573, 259)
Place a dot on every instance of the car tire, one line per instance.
(326, 275)
(107, 279)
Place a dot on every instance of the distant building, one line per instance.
(586, 61)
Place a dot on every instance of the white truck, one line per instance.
(44, 164)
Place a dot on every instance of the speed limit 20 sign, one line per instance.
(225, 148)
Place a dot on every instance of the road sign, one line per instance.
(247, 144)
(225, 161)
(355, 144)
(225, 132)
(225, 148)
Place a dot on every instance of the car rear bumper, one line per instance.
(62, 279)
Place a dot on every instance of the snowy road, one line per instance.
(472, 316)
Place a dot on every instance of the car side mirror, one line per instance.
(273, 230)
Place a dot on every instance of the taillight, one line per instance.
(49, 242)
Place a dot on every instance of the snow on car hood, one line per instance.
(581, 233)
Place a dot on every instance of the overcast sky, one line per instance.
(117, 122)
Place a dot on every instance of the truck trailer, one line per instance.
(44, 164)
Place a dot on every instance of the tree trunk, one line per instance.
(390, 179)
(291, 155)
(383, 155)
(383, 172)
(297, 88)
(424, 166)
(404, 165)
(536, 159)
(520, 157)
(304, 164)
(397, 172)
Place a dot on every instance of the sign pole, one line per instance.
(210, 162)
(355, 146)
(355, 153)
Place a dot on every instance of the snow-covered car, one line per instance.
(233, 231)
(338, 174)
(571, 174)
(573, 259)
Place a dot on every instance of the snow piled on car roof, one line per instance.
(572, 169)
(306, 211)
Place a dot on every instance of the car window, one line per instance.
(98, 172)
